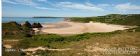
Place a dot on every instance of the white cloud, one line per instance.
(45, 8)
(127, 6)
(42, 0)
(69, 5)
(86, 6)
(89, 4)
(104, 5)
(26, 2)
(23, 2)
(41, 7)
(8, 1)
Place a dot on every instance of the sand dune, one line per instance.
(78, 28)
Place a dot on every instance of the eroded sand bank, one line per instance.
(78, 28)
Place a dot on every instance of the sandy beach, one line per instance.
(79, 28)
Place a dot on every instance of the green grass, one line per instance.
(58, 41)
(130, 19)
(55, 41)
(112, 39)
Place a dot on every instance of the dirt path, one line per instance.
(11, 39)
(44, 48)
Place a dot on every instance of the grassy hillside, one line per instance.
(12, 30)
(121, 40)
(130, 19)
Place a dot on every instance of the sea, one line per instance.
(32, 20)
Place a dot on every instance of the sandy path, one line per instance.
(78, 28)
(11, 39)
(43, 48)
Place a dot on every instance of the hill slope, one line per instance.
(129, 19)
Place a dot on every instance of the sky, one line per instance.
(68, 8)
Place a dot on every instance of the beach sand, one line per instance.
(79, 28)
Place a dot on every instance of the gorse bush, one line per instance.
(25, 43)
(58, 41)
(57, 38)
(48, 38)
(55, 41)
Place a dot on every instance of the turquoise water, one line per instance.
(31, 20)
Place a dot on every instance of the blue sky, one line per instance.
(68, 8)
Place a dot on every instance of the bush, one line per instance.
(12, 30)
(53, 40)
(25, 43)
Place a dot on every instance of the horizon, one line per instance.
(68, 8)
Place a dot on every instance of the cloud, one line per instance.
(23, 2)
(41, 7)
(42, 0)
(127, 6)
(27, 2)
(89, 4)
(104, 5)
(60, 5)
(86, 6)
(45, 8)
(8, 1)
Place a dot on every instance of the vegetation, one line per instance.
(11, 29)
(126, 39)
(78, 42)
(49, 40)
(130, 19)
(58, 41)
(23, 33)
